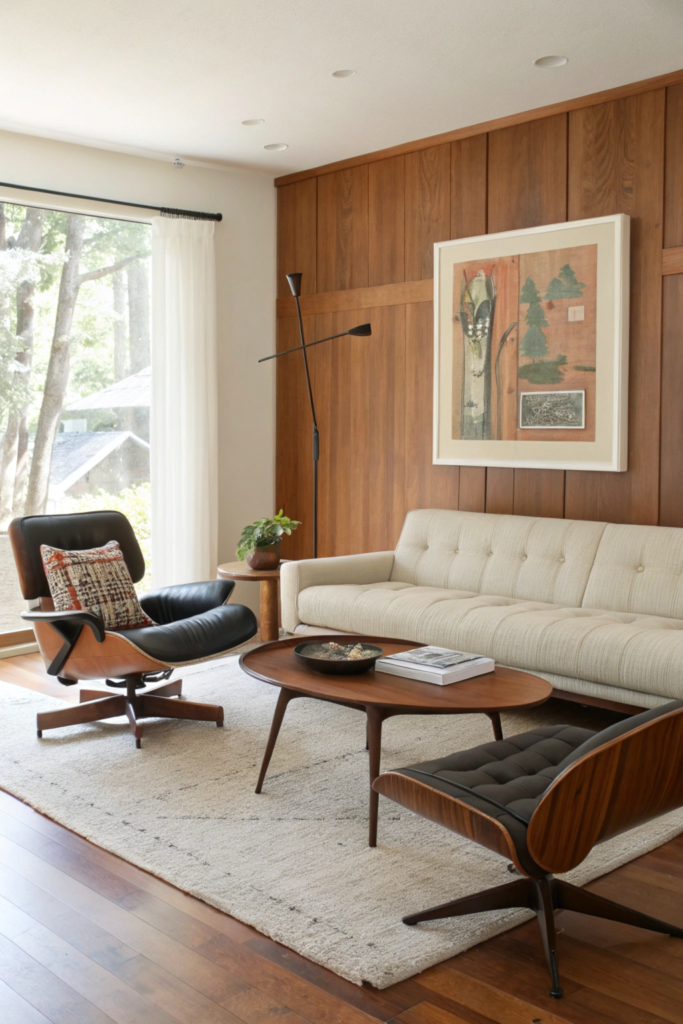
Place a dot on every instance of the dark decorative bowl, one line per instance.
(312, 655)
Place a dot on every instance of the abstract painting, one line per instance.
(534, 346)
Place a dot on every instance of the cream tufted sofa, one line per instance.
(594, 608)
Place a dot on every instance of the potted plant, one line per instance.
(260, 541)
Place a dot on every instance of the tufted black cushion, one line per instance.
(514, 772)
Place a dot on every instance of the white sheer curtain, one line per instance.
(184, 457)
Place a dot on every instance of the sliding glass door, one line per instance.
(75, 375)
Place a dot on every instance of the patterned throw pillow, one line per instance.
(96, 580)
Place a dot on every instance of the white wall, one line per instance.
(245, 257)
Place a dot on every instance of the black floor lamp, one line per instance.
(363, 330)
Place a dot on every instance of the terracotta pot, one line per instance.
(264, 557)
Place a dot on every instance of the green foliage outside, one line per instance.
(92, 349)
(545, 371)
(136, 505)
(565, 286)
(265, 532)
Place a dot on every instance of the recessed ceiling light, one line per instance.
(253, 121)
(276, 146)
(344, 73)
(550, 62)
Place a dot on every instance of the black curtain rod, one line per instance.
(166, 211)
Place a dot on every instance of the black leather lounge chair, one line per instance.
(543, 800)
(194, 623)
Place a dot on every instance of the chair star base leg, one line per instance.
(545, 895)
(159, 702)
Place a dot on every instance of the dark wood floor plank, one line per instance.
(620, 978)
(310, 1002)
(15, 1010)
(22, 897)
(92, 982)
(213, 980)
(25, 816)
(579, 1004)
(177, 998)
(48, 994)
(415, 994)
(427, 1013)
(374, 1002)
(485, 998)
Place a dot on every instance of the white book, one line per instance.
(435, 665)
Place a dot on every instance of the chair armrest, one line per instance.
(373, 567)
(171, 604)
(70, 618)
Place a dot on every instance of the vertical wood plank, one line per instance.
(539, 493)
(472, 496)
(671, 455)
(616, 165)
(427, 486)
(386, 199)
(468, 217)
(673, 198)
(360, 398)
(293, 445)
(527, 186)
(468, 186)
(343, 229)
(427, 208)
(527, 178)
(296, 235)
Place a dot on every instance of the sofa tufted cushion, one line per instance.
(638, 569)
(529, 559)
(514, 772)
(633, 652)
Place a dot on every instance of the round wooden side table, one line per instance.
(269, 580)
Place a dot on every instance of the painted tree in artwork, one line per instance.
(565, 286)
(534, 344)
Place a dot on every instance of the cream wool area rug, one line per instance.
(294, 861)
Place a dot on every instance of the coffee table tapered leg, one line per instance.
(495, 721)
(375, 719)
(280, 708)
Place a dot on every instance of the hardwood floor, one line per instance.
(87, 938)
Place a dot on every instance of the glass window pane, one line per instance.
(75, 374)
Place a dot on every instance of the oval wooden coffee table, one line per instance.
(381, 696)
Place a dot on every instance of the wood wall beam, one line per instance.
(672, 259)
(359, 298)
(619, 92)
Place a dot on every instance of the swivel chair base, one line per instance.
(545, 895)
(96, 705)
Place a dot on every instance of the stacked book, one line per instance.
(435, 665)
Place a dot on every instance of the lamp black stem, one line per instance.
(316, 436)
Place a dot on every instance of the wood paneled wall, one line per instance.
(363, 235)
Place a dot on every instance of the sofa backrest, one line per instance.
(638, 569)
(510, 556)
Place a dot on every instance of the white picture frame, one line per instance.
(546, 312)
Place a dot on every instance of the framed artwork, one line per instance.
(531, 347)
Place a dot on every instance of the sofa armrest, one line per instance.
(373, 567)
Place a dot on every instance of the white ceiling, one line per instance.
(176, 77)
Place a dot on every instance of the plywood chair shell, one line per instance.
(627, 782)
(448, 811)
(92, 660)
